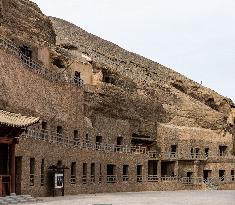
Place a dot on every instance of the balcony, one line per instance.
(139, 178)
(72, 179)
(84, 179)
(153, 178)
(125, 178)
(92, 179)
(111, 178)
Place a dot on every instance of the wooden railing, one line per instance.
(37, 67)
(5, 185)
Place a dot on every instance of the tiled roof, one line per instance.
(16, 120)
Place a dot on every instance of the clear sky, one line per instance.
(194, 37)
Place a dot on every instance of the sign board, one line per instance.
(59, 181)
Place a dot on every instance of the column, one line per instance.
(159, 168)
(176, 168)
(12, 167)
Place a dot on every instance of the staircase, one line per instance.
(17, 199)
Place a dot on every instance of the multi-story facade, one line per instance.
(113, 126)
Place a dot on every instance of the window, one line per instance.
(173, 148)
(42, 172)
(173, 151)
(192, 152)
(207, 152)
(84, 171)
(125, 173)
(221, 175)
(139, 173)
(73, 173)
(87, 138)
(77, 77)
(197, 150)
(59, 133)
(232, 175)
(98, 139)
(32, 171)
(75, 135)
(222, 150)
(44, 125)
(111, 176)
(119, 140)
(44, 131)
(92, 172)
(25, 50)
(98, 142)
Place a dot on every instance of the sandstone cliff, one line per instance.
(142, 89)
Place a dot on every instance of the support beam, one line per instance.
(176, 168)
(12, 168)
(159, 168)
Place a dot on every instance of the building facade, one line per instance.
(114, 130)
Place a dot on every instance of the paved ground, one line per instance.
(149, 198)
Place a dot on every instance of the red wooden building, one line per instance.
(11, 127)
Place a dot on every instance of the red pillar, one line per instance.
(12, 167)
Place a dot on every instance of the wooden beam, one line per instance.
(6, 140)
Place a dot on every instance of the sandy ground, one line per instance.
(148, 198)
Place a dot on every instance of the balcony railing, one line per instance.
(72, 179)
(92, 179)
(37, 67)
(153, 178)
(63, 139)
(111, 178)
(31, 179)
(100, 179)
(84, 179)
(125, 178)
(139, 178)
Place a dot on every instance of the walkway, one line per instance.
(149, 198)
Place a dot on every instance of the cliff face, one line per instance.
(24, 19)
(142, 89)
(134, 88)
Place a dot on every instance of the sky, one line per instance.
(193, 37)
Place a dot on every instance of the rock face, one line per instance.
(142, 89)
(24, 19)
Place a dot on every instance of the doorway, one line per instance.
(4, 158)
(206, 174)
(4, 170)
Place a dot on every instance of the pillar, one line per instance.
(12, 167)
(159, 168)
(176, 168)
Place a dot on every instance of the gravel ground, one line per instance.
(148, 198)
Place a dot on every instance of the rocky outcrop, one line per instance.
(24, 19)
(162, 93)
